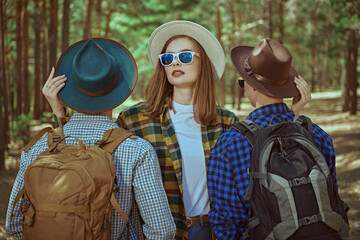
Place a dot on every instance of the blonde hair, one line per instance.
(204, 95)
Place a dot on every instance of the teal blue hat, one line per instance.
(101, 74)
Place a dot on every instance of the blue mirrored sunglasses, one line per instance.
(167, 59)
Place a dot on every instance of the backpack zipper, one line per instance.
(294, 137)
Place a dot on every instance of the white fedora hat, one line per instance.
(203, 36)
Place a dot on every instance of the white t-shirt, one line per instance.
(188, 134)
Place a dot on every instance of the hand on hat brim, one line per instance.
(303, 98)
(50, 91)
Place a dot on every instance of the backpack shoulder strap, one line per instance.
(110, 141)
(304, 121)
(113, 137)
(36, 138)
(117, 207)
(276, 116)
(247, 128)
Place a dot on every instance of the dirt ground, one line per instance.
(324, 110)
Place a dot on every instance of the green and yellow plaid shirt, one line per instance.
(160, 133)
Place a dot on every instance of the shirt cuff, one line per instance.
(64, 120)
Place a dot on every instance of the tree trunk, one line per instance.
(233, 37)
(45, 66)
(238, 42)
(314, 52)
(351, 55)
(313, 66)
(108, 19)
(65, 25)
(53, 32)
(37, 61)
(268, 18)
(281, 4)
(237, 92)
(222, 80)
(26, 82)
(87, 27)
(98, 11)
(52, 40)
(325, 80)
(344, 91)
(19, 66)
(4, 120)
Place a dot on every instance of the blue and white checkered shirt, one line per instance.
(227, 177)
(138, 175)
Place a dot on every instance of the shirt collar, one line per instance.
(270, 109)
(182, 108)
(92, 117)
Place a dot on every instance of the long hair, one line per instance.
(159, 91)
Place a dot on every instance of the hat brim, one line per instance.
(127, 76)
(288, 90)
(203, 36)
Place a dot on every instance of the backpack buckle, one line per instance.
(100, 142)
(310, 220)
(56, 138)
(299, 181)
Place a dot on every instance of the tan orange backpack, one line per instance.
(68, 190)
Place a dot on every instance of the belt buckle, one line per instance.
(188, 222)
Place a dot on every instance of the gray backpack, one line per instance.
(292, 193)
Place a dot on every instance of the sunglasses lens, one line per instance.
(185, 57)
(241, 83)
(166, 59)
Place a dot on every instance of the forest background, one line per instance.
(322, 35)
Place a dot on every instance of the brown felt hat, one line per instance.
(267, 68)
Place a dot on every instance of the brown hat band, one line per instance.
(100, 93)
(260, 78)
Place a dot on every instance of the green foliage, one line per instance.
(347, 14)
(310, 27)
(45, 116)
(20, 129)
(128, 103)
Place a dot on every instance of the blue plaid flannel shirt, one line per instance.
(227, 177)
(134, 158)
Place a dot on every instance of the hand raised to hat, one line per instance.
(303, 98)
(51, 89)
